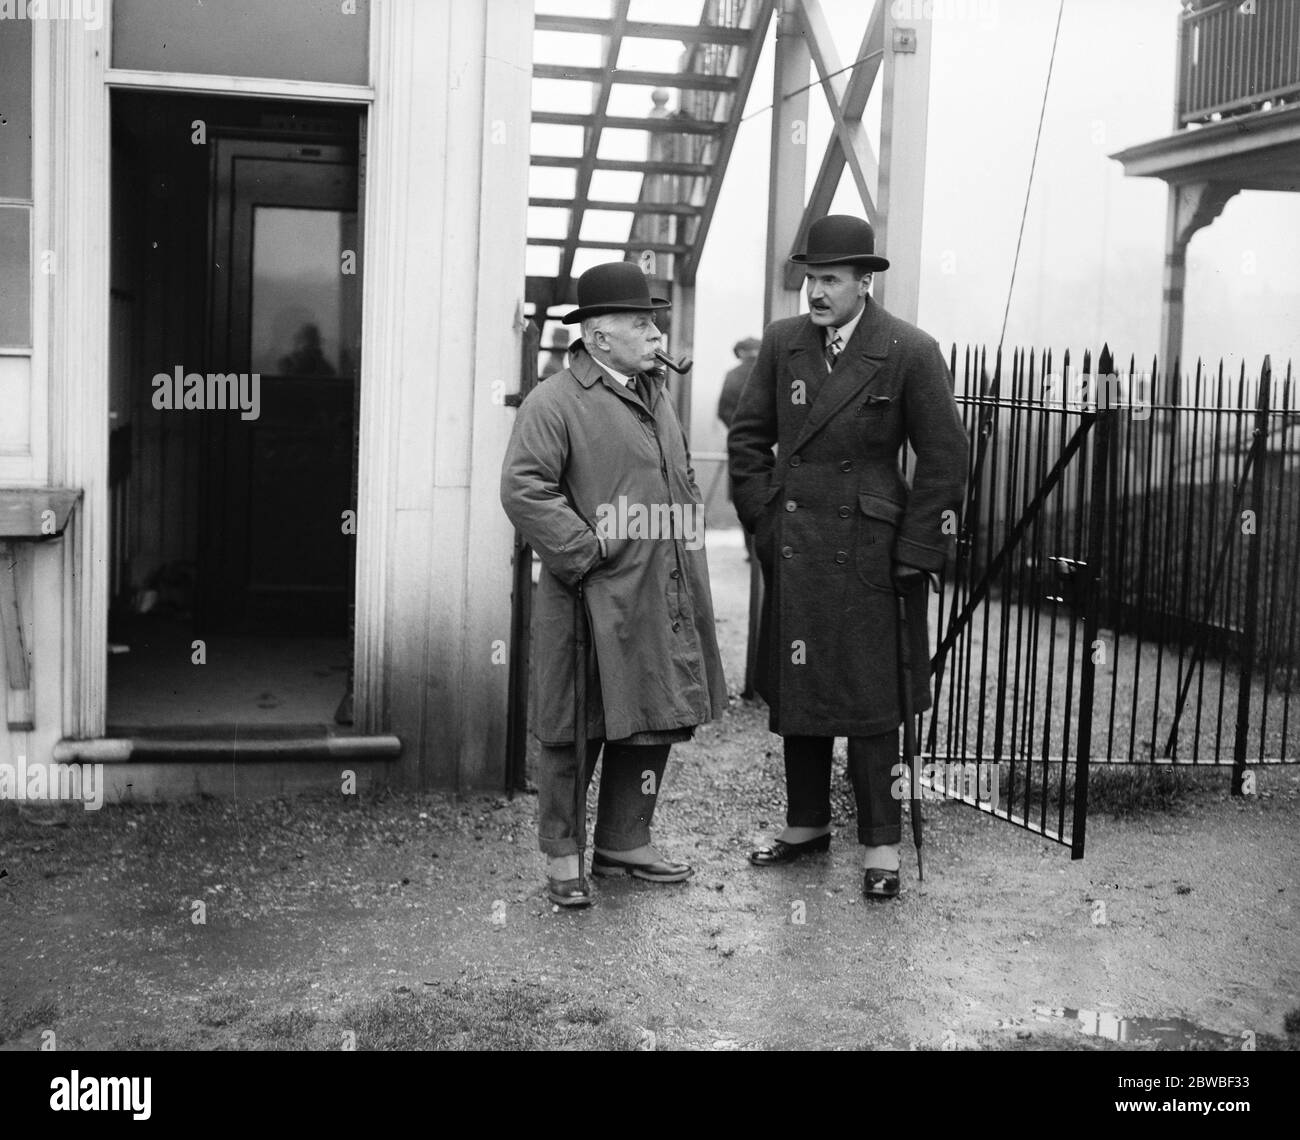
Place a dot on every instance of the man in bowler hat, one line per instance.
(598, 480)
(814, 449)
(746, 352)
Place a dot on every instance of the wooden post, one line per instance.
(789, 171)
(789, 159)
(900, 197)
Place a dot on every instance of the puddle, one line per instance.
(1173, 1033)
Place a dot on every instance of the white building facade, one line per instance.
(262, 280)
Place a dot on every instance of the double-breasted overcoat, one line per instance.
(586, 455)
(816, 475)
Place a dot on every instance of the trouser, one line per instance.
(871, 763)
(629, 787)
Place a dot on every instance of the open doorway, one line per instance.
(235, 310)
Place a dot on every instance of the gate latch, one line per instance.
(1067, 570)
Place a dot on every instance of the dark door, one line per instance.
(278, 550)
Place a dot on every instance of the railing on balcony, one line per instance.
(1236, 56)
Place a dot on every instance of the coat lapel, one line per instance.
(808, 362)
(854, 370)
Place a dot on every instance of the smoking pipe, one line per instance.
(681, 369)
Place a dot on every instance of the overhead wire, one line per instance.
(1033, 165)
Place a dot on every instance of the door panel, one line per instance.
(286, 305)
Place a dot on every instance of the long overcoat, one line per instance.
(587, 456)
(816, 476)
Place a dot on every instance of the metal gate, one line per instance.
(1125, 587)
(1010, 730)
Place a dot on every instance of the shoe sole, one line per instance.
(569, 904)
(621, 872)
(787, 862)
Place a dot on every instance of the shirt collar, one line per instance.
(626, 381)
(846, 330)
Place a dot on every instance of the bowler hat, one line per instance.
(615, 287)
(841, 239)
(749, 344)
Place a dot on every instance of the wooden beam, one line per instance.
(625, 246)
(687, 34)
(673, 79)
(904, 121)
(632, 166)
(541, 292)
(671, 126)
(753, 51)
(789, 161)
(853, 107)
(850, 133)
(19, 707)
(674, 208)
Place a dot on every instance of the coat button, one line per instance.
(787, 552)
(676, 626)
(841, 556)
(846, 464)
(795, 460)
(845, 512)
(791, 505)
(675, 574)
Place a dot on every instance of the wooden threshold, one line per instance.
(311, 742)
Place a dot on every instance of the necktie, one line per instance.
(833, 347)
(641, 386)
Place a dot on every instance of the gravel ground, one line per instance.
(328, 916)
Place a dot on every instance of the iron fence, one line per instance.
(1127, 576)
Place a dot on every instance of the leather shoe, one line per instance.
(779, 851)
(568, 892)
(879, 883)
(662, 871)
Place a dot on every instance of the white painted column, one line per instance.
(78, 354)
(789, 164)
(900, 200)
(446, 202)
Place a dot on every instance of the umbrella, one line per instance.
(581, 639)
(909, 726)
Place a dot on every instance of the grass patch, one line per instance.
(1134, 789)
(291, 1027)
(466, 1017)
(222, 1009)
(40, 1014)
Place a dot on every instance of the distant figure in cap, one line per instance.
(598, 481)
(746, 352)
(814, 450)
(555, 355)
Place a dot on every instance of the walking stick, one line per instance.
(580, 641)
(909, 727)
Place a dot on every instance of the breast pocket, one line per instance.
(878, 519)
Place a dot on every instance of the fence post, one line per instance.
(1103, 425)
(1258, 446)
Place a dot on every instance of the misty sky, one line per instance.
(1090, 266)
